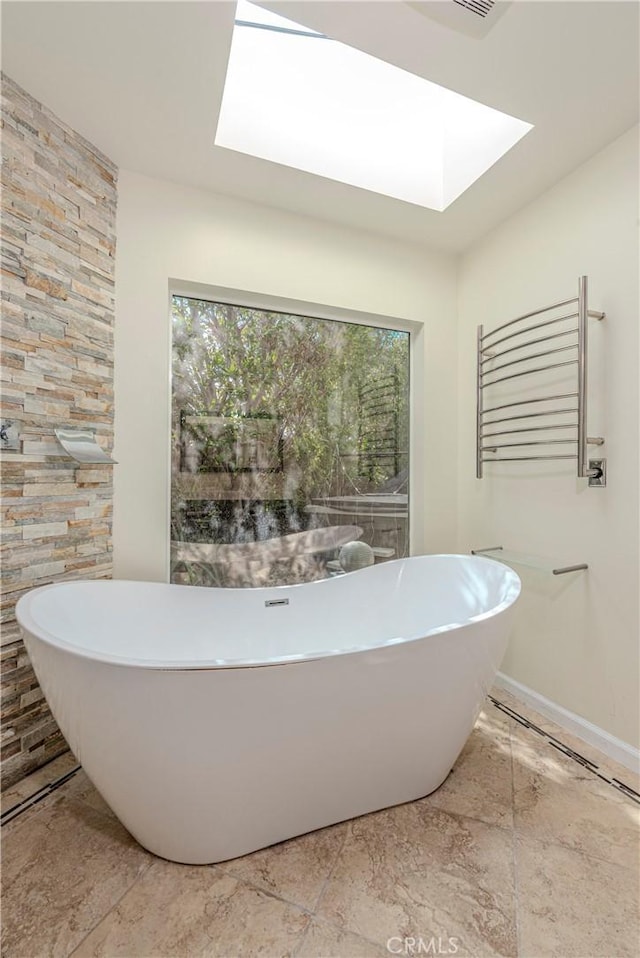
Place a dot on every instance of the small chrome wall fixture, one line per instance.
(598, 473)
(81, 445)
(9, 435)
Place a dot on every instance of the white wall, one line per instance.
(168, 232)
(576, 640)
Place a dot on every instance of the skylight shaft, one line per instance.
(323, 107)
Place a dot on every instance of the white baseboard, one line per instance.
(611, 746)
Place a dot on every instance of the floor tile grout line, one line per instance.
(631, 869)
(323, 887)
(622, 788)
(424, 801)
(142, 873)
(220, 866)
(347, 834)
(346, 930)
(514, 853)
(305, 934)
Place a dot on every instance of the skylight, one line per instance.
(295, 97)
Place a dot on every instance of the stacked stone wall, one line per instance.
(58, 254)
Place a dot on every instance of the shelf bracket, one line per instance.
(560, 570)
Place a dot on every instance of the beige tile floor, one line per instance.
(522, 852)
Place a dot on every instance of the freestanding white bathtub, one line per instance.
(218, 721)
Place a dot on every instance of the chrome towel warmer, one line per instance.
(491, 433)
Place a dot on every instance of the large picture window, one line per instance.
(290, 445)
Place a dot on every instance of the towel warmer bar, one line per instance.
(490, 432)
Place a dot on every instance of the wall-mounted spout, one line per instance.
(81, 445)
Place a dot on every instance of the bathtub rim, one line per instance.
(28, 625)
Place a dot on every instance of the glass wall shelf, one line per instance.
(509, 557)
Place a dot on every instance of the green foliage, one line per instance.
(308, 374)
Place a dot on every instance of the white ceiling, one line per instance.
(143, 81)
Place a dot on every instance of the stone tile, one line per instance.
(80, 788)
(480, 784)
(557, 800)
(59, 313)
(574, 906)
(327, 941)
(416, 871)
(607, 765)
(296, 869)
(63, 870)
(494, 715)
(27, 817)
(33, 783)
(189, 910)
(502, 695)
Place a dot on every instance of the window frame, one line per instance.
(296, 307)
